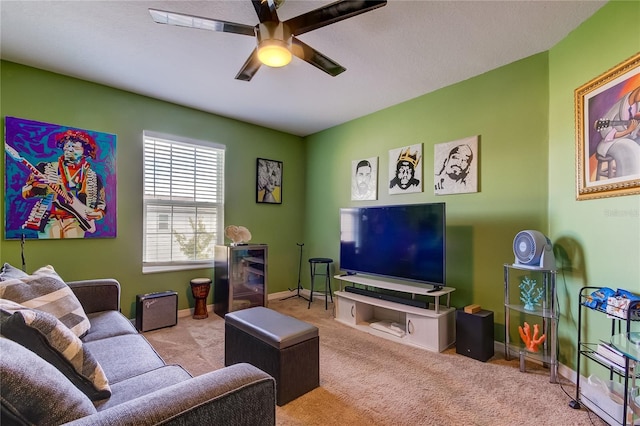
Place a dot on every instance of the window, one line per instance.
(163, 222)
(183, 201)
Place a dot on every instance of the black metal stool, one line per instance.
(313, 262)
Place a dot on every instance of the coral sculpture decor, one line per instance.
(530, 295)
(531, 343)
(237, 234)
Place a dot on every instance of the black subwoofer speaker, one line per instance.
(474, 334)
(156, 310)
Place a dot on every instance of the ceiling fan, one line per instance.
(276, 40)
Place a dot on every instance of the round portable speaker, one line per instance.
(528, 247)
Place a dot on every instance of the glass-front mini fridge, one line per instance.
(240, 277)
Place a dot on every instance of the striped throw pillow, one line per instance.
(44, 290)
(46, 336)
(7, 272)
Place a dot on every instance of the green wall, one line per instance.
(507, 107)
(523, 113)
(38, 95)
(599, 240)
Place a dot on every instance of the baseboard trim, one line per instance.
(189, 312)
(563, 370)
(304, 292)
(272, 296)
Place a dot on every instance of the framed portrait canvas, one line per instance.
(268, 181)
(60, 181)
(364, 179)
(607, 133)
(455, 165)
(405, 169)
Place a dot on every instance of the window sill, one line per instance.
(175, 268)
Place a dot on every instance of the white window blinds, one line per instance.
(183, 199)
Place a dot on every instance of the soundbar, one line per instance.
(369, 293)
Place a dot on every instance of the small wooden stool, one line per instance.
(200, 290)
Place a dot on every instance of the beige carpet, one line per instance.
(366, 380)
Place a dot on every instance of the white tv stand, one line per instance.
(432, 328)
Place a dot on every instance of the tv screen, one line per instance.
(403, 241)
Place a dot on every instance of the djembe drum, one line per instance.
(200, 290)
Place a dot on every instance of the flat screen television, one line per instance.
(407, 242)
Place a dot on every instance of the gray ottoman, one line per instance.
(282, 346)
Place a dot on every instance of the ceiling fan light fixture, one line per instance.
(274, 42)
(274, 53)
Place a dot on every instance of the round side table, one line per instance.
(200, 290)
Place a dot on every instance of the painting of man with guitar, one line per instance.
(620, 140)
(607, 112)
(65, 194)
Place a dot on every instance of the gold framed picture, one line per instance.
(607, 120)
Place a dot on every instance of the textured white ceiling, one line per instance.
(392, 54)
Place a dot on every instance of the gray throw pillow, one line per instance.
(9, 272)
(35, 392)
(44, 290)
(47, 337)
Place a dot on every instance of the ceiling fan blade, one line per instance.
(266, 10)
(315, 58)
(250, 67)
(330, 14)
(198, 22)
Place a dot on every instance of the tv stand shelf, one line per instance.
(432, 328)
(402, 286)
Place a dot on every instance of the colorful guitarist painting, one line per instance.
(608, 133)
(60, 181)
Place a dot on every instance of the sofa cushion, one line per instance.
(106, 324)
(9, 272)
(46, 291)
(125, 356)
(46, 336)
(35, 392)
(143, 384)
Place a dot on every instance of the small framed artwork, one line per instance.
(268, 181)
(607, 116)
(455, 165)
(364, 179)
(405, 169)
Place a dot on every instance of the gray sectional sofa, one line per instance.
(144, 390)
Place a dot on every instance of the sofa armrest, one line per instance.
(97, 295)
(240, 394)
